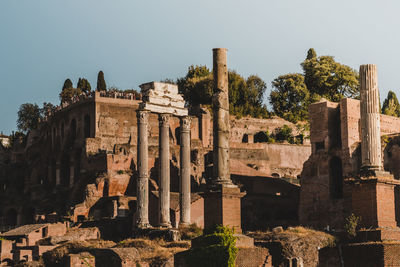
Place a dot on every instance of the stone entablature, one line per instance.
(162, 98)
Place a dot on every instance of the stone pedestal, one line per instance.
(184, 185)
(222, 206)
(142, 189)
(373, 200)
(164, 219)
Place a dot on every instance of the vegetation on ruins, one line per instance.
(391, 105)
(216, 247)
(295, 242)
(84, 85)
(28, 117)
(67, 84)
(68, 93)
(351, 225)
(322, 77)
(101, 83)
(245, 95)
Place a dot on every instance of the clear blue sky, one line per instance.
(43, 42)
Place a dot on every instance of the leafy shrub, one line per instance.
(215, 248)
(351, 225)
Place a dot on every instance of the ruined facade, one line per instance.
(336, 135)
(86, 152)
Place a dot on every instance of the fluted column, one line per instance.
(142, 189)
(370, 118)
(184, 186)
(221, 125)
(164, 192)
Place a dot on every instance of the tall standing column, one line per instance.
(142, 190)
(221, 125)
(370, 118)
(164, 193)
(184, 197)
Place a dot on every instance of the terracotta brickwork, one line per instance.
(335, 135)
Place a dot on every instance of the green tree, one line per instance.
(84, 85)
(28, 117)
(197, 86)
(67, 84)
(67, 94)
(47, 109)
(328, 78)
(101, 83)
(245, 96)
(391, 105)
(290, 98)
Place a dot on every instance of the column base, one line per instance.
(143, 225)
(165, 225)
(183, 224)
(222, 206)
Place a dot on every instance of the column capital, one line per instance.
(163, 119)
(185, 123)
(142, 115)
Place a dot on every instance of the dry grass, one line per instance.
(155, 251)
(56, 255)
(298, 242)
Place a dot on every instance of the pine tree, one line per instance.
(101, 83)
(391, 105)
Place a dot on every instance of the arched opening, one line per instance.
(11, 217)
(335, 178)
(72, 129)
(65, 170)
(245, 138)
(260, 137)
(86, 126)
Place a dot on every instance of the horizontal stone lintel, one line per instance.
(164, 109)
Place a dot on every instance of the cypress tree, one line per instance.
(84, 85)
(67, 84)
(391, 105)
(101, 83)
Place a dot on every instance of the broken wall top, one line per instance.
(162, 98)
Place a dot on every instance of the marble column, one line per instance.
(370, 118)
(221, 124)
(184, 185)
(142, 190)
(164, 191)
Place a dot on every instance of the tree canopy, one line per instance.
(245, 95)
(30, 114)
(84, 85)
(322, 77)
(391, 105)
(67, 84)
(28, 117)
(101, 83)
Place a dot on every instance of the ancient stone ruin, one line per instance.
(109, 178)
